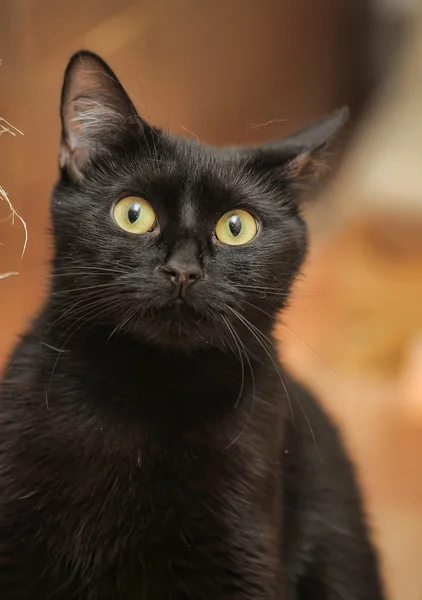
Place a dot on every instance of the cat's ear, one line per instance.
(303, 158)
(95, 110)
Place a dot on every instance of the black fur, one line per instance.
(152, 449)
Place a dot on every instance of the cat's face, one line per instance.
(179, 243)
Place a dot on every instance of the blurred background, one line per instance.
(243, 71)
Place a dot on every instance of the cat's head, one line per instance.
(176, 242)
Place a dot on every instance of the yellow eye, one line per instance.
(236, 227)
(134, 215)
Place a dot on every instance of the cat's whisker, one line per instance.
(239, 435)
(265, 287)
(318, 355)
(258, 308)
(264, 292)
(23, 282)
(119, 327)
(92, 314)
(97, 286)
(258, 335)
(242, 365)
(85, 274)
(51, 347)
(69, 310)
(252, 328)
(241, 347)
(114, 267)
(246, 354)
(72, 311)
(302, 340)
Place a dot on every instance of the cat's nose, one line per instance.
(182, 276)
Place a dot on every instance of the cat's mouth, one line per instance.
(182, 303)
(180, 311)
(178, 302)
(178, 323)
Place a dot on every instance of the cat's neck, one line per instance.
(133, 389)
(147, 378)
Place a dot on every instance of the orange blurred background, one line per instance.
(243, 71)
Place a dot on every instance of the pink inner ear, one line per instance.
(74, 150)
(95, 108)
(91, 119)
(73, 158)
(85, 78)
(298, 164)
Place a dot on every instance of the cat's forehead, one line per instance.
(199, 161)
(193, 176)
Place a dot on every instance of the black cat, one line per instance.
(151, 447)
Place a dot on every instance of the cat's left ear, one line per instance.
(95, 111)
(301, 159)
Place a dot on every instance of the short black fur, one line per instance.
(151, 446)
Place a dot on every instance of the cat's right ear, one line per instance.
(303, 159)
(95, 111)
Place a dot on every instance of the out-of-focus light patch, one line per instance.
(397, 8)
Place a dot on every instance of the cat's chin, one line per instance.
(188, 341)
(186, 335)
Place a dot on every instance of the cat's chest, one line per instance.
(150, 521)
(140, 488)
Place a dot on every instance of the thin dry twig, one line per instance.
(8, 274)
(6, 127)
(15, 215)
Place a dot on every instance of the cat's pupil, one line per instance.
(235, 225)
(134, 212)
